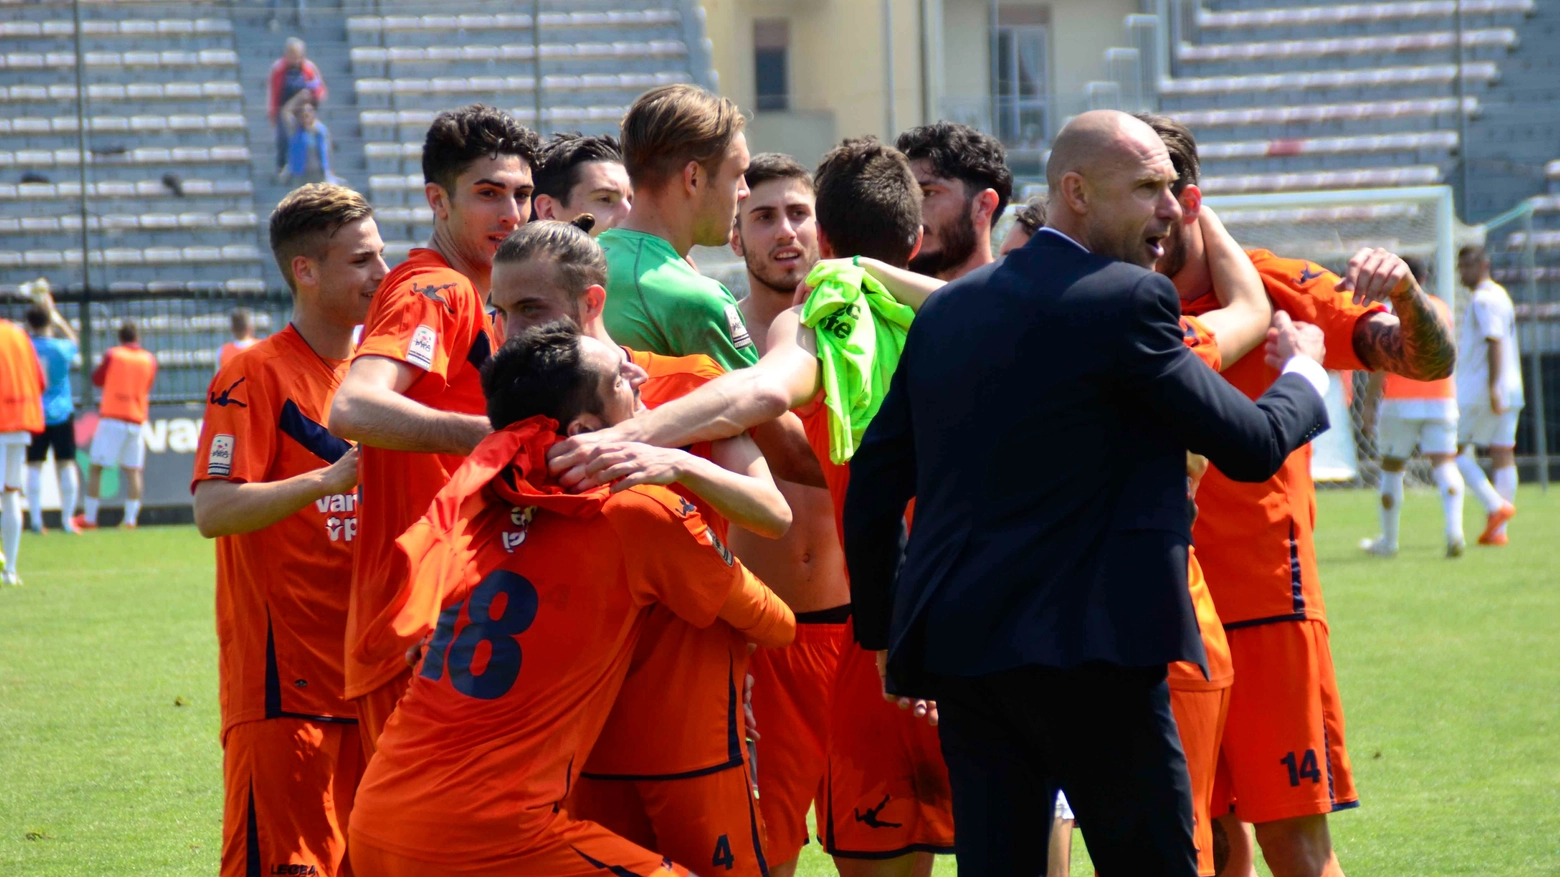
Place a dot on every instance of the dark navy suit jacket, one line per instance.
(1040, 416)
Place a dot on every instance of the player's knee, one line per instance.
(1386, 501)
(1296, 847)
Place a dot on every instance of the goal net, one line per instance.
(1327, 228)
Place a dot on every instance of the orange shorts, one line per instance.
(288, 789)
(791, 688)
(569, 848)
(888, 791)
(1282, 755)
(711, 822)
(1199, 717)
(375, 707)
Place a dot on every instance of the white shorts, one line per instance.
(13, 446)
(1482, 427)
(1397, 436)
(117, 443)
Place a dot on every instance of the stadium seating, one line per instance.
(1296, 94)
(1350, 179)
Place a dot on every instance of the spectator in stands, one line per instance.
(55, 343)
(291, 75)
(579, 174)
(308, 148)
(243, 325)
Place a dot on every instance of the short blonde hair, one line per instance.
(306, 219)
(671, 125)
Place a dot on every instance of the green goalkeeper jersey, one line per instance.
(657, 302)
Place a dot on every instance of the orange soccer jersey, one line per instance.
(429, 316)
(701, 669)
(1256, 539)
(126, 375)
(21, 382)
(231, 349)
(534, 599)
(281, 596)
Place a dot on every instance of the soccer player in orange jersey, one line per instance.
(412, 398)
(125, 375)
(888, 794)
(1405, 414)
(21, 418)
(534, 599)
(776, 234)
(682, 787)
(242, 322)
(1282, 757)
(275, 489)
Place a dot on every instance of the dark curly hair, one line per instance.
(558, 166)
(457, 138)
(959, 152)
(541, 371)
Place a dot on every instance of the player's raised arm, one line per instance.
(787, 376)
(370, 409)
(1242, 323)
(1414, 340)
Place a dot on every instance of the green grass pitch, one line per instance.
(1450, 671)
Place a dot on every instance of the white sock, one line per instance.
(132, 510)
(1506, 486)
(1391, 507)
(35, 497)
(11, 527)
(70, 485)
(1473, 476)
(90, 506)
(1450, 481)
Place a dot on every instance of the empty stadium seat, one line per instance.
(518, 52)
(1355, 13)
(1421, 175)
(1503, 37)
(1329, 145)
(1391, 109)
(168, 59)
(1431, 74)
(110, 28)
(123, 189)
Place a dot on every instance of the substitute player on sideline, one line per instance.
(413, 397)
(682, 788)
(275, 489)
(1489, 392)
(21, 418)
(889, 800)
(59, 356)
(1405, 414)
(242, 324)
(126, 375)
(1282, 757)
(685, 153)
(776, 234)
(576, 174)
(574, 574)
(965, 186)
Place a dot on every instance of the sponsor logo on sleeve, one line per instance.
(220, 463)
(420, 351)
(739, 332)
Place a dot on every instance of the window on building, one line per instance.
(771, 63)
(1020, 93)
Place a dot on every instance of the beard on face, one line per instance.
(1174, 259)
(774, 277)
(958, 243)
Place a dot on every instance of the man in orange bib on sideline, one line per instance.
(21, 417)
(125, 376)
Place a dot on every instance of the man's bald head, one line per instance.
(1109, 177)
